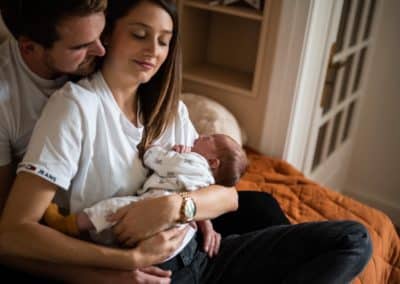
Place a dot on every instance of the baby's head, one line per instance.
(225, 156)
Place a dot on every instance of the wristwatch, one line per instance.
(188, 208)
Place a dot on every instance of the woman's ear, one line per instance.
(214, 163)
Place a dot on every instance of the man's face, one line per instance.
(77, 47)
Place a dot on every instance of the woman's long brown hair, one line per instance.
(158, 99)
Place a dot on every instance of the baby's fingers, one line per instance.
(207, 243)
(115, 217)
(217, 243)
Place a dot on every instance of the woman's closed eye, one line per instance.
(142, 35)
(139, 34)
(164, 41)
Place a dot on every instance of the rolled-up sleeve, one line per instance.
(54, 150)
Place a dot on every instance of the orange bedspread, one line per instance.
(304, 200)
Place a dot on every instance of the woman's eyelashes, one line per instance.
(162, 41)
(139, 35)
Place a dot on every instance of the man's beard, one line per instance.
(87, 67)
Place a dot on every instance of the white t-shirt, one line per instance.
(22, 97)
(85, 144)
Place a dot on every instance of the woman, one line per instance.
(91, 154)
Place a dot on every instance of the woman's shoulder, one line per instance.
(81, 93)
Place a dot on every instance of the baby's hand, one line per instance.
(181, 148)
(212, 239)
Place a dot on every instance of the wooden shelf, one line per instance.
(243, 12)
(220, 77)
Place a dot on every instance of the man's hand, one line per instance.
(152, 274)
(159, 247)
(182, 148)
(212, 239)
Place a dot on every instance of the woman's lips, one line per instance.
(145, 65)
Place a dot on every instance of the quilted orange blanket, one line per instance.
(304, 200)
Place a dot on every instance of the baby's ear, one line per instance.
(214, 163)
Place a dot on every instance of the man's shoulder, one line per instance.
(5, 49)
(8, 73)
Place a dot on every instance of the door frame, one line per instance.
(287, 51)
(297, 77)
(319, 39)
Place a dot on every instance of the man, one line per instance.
(51, 39)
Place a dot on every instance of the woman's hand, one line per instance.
(212, 239)
(142, 219)
(159, 247)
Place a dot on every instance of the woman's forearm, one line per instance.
(210, 202)
(159, 214)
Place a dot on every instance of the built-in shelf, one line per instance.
(220, 77)
(240, 11)
(222, 46)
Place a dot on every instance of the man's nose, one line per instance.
(97, 49)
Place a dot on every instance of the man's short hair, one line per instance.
(38, 19)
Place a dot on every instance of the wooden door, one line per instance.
(336, 111)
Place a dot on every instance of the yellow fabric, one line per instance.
(304, 200)
(64, 224)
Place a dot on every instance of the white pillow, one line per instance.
(208, 117)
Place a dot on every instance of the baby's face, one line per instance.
(207, 145)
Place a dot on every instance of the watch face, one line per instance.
(190, 209)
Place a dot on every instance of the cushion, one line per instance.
(209, 117)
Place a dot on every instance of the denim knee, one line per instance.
(357, 239)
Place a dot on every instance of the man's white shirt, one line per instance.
(23, 95)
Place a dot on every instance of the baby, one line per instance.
(213, 159)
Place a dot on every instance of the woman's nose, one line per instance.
(151, 48)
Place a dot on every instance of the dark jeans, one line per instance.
(323, 252)
(257, 210)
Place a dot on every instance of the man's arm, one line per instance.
(29, 198)
(20, 227)
(68, 273)
(71, 273)
(32, 267)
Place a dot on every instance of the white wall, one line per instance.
(374, 175)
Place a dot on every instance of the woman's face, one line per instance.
(139, 43)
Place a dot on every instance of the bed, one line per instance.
(303, 200)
